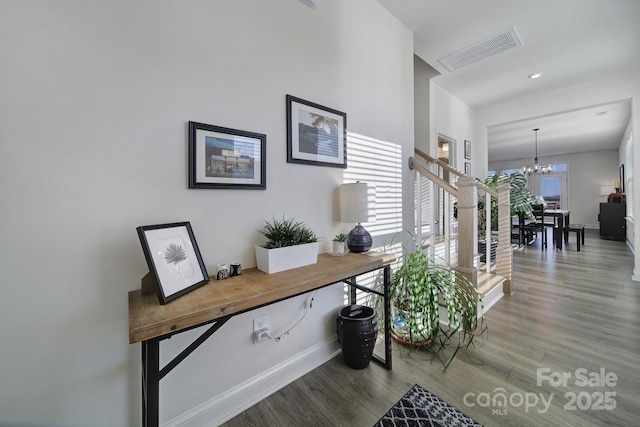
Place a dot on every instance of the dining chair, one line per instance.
(538, 225)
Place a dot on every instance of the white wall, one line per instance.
(95, 101)
(422, 75)
(586, 172)
(456, 120)
(622, 160)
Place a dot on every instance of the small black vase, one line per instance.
(357, 329)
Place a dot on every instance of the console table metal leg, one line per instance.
(152, 374)
(352, 291)
(387, 317)
(150, 382)
(386, 295)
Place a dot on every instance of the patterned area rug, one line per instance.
(419, 407)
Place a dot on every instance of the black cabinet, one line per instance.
(612, 222)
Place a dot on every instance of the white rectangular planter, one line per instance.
(280, 259)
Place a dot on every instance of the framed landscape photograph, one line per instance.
(467, 149)
(226, 158)
(173, 259)
(316, 135)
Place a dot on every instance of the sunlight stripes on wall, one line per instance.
(379, 164)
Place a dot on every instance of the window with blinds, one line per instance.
(379, 164)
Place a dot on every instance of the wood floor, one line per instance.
(576, 313)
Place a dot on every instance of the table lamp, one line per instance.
(605, 190)
(356, 206)
(618, 187)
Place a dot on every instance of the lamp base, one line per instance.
(359, 240)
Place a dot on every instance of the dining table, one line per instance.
(561, 219)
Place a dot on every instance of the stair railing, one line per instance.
(465, 190)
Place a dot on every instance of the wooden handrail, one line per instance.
(413, 165)
(454, 171)
(438, 162)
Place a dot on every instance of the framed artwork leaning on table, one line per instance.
(173, 259)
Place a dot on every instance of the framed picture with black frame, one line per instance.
(316, 135)
(221, 158)
(173, 259)
(467, 149)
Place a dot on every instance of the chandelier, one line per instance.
(537, 168)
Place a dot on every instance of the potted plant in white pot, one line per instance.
(434, 306)
(290, 244)
(339, 245)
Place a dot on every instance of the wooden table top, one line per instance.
(556, 212)
(254, 288)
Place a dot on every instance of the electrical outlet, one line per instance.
(261, 322)
(260, 335)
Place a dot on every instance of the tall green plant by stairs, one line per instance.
(521, 199)
(418, 289)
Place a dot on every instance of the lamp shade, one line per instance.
(605, 190)
(357, 206)
(355, 203)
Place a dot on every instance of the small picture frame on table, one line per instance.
(221, 158)
(467, 149)
(173, 259)
(316, 135)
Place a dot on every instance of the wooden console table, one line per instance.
(219, 300)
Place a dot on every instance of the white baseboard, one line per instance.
(226, 406)
(492, 297)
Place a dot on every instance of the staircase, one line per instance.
(446, 212)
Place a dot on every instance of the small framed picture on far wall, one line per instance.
(467, 149)
(467, 168)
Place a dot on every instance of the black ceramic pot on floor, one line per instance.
(357, 328)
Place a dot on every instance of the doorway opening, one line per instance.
(446, 147)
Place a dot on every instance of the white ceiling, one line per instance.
(567, 40)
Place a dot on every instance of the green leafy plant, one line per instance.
(521, 200)
(286, 232)
(419, 289)
(340, 238)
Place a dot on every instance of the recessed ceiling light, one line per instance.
(535, 75)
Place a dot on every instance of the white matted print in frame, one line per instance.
(173, 258)
(316, 134)
(221, 157)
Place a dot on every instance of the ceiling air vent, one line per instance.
(490, 46)
(313, 4)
